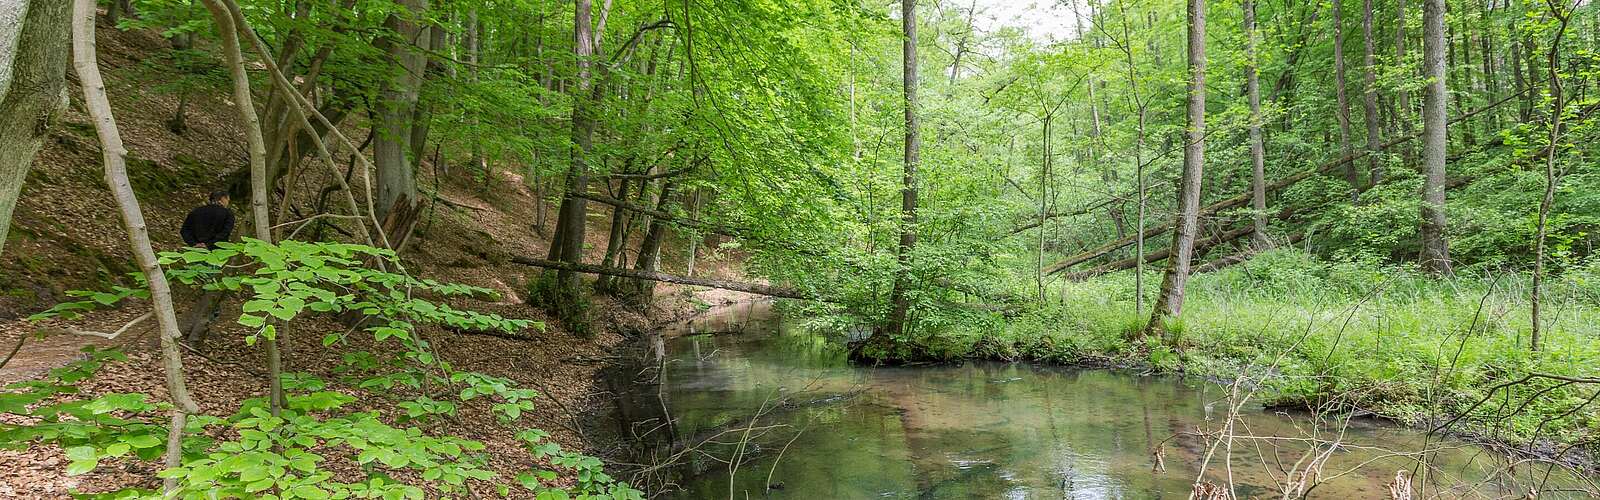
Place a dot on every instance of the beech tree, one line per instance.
(899, 302)
(114, 158)
(1435, 250)
(33, 65)
(1258, 160)
(397, 176)
(1186, 225)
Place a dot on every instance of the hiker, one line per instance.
(206, 226)
(209, 224)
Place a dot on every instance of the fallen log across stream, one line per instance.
(738, 286)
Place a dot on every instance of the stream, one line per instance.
(761, 408)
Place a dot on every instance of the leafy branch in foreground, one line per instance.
(257, 451)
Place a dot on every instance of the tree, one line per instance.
(114, 155)
(1563, 16)
(1435, 255)
(898, 300)
(33, 72)
(1343, 114)
(1369, 96)
(1258, 161)
(397, 176)
(1186, 225)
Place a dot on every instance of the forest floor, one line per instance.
(67, 236)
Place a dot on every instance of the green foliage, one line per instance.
(108, 426)
(252, 452)
(71, 310)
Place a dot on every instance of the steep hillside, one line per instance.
(67, 236)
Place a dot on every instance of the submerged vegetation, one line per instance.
(1386, 208)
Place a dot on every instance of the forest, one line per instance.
(628, 249)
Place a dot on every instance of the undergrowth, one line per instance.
(1383, 338)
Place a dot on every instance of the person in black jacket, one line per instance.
(209, 224)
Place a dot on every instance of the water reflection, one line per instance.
(762, 409)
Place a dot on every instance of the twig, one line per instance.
(109, 336)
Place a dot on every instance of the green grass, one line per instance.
(1386, 339)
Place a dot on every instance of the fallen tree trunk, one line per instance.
(1241, 200)
(1158, 255)
(1283, 215)
(738, 286)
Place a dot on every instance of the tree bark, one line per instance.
(397, 176)
(615, 240)
(1369, 96)
(650, 247)
(113, 155)
(570, 220)
(1435, 256)
(298, 109)
(422, 113)
(1258, 161)
(900, 304)
(1351, 176)
(1170, 302)
(1402, 97)
(244, 103)
(33, 76)
(473, 43)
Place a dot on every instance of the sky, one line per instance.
(1044, 20)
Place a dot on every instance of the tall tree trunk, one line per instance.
(1170, 302)
(473, 30)
(1258, 161)
(1044, 209)
(696, 200)
(1529, 52)
(113, 154)
(650, 247)
(568, 243)
(616, 240)
(1351, 175)
(1402, 97)
(535, 177)
(33, 77)
(1518, 78)
(961, 45)
(1141, 107)
(1468, 83)
(422, 113)
(1435, 255)
(244, 103)
(900, 304)
(1369, 96)
(397, 176)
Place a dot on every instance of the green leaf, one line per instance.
(143, 441)
(80, 453)
(77, 467)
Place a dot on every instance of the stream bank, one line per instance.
(758, 406)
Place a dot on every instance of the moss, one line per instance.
(151, 179)
(568, 305)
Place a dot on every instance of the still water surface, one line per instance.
(827, 429)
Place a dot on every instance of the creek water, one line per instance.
(761, 408)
